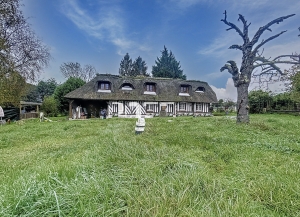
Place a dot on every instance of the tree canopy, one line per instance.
(125, 66)
(12, 88)
(46, 88)
(258, 100)
(139, 68)
(135, 68)
(20, 49)
(293, 76)
(37, 93)
(71, 84)
(167, 66)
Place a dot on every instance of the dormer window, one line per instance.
(150, 88)
(104, 86)
(184, 90)
(200, 90)
(127, 86)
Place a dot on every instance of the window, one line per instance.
(150, 107)
(150, 88)
(182, 106)
(127, 86)
(199, 106)
(200, 89)
(104, 86)
(184, 89)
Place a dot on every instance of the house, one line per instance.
(145, 96)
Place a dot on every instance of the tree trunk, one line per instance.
(242, 103)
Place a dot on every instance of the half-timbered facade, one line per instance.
(141, 96)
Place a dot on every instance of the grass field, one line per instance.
(181, 166)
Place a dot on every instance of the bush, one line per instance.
(50, 106)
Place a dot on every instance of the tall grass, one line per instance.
(181, 166)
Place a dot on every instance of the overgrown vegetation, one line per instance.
(260, 100)
(69, 85)
(49, 106)
(178, 167)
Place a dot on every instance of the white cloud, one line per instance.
(107, 24)
(187, 3)
(218, 47)
(244, 6)
(216, 75)
(229, 92)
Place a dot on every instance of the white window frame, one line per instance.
(106, 87)
(150, 107)
(182, 106)
(199, 105)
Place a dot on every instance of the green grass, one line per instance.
(180, 166)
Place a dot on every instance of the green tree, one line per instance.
(167, 66)
(22, 54)
(283, 101)
(32, 94)
(46, 88)
(228, 103)
(61, 90)
(12, 88)
(139, 68)
(125, 66)
(259, 99)
(50, 106)
(293, 75)
(36, 93)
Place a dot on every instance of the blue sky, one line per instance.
(101, 32)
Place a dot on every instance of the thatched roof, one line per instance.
(167, 90)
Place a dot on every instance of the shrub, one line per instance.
(50, 106)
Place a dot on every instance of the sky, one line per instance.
(101, 32)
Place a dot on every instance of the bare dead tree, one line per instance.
(20, 49)
(252, 59)
(89, 72)
(71, 69)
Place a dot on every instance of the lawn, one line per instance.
(184, 166)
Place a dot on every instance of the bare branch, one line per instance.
(267, 40)
(235, 46)
(267, 27)
(294, 57)
(272, 63)
(232, 26)
(20, 49)
(233, 70)
(245, 31)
